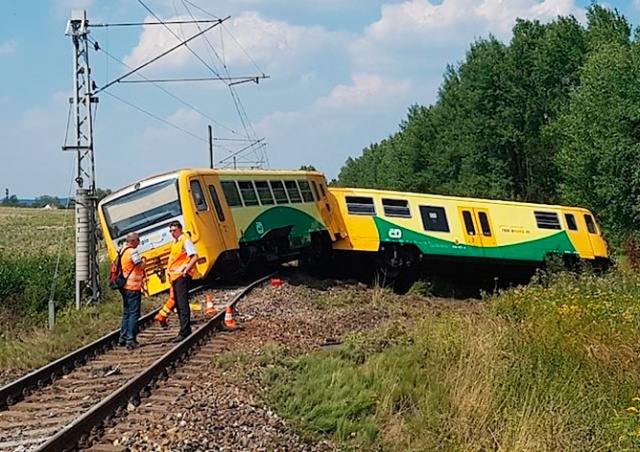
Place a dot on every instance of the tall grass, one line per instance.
(34, 347)
(551, 366)
(31, 242)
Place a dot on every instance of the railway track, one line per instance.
(61, 406)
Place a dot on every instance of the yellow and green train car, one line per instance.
(402, 229)
(234, 218)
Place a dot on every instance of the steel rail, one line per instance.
(39, 378)
(69, 437)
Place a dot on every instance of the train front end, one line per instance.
(146, 207)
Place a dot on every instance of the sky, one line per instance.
(341, 75)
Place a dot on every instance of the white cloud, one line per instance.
(367, 90)
(8, 48)
(434, 32)
(421, 17)
(268, 42)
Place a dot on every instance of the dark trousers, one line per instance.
(181, 295)
(131, 300)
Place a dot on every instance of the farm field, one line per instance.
(33, 243)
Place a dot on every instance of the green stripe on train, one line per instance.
(279, 217)
(532, 250)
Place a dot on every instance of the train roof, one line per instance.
(372, 191)
(230, 172)
(256, 172)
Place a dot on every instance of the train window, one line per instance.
(216, 202)
(266, 198)
(434, 219)
(322, 190)
(198, 196)
(315, 190)
(360, 205)
(468, 222)
(305, 189)
(230, 191)
(591, 225)
(571, 221)
(292, 191)
(547, 220)
(484, 224)
(396, 208)
(248, 193)
(279, 192)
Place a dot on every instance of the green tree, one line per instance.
(11, 201)
(600, 137)
(44, 200)
(102, 192)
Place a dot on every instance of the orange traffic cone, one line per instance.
(228, 318)
(210, 309)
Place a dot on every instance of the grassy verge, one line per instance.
(552, 366)
(31, 347)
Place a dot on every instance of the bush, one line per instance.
(26, 281)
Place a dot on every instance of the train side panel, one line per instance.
(378, 221)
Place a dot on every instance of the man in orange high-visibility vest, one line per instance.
(181, 269)
(133, 271)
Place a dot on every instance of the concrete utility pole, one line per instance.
(87, 284)
(212, 161)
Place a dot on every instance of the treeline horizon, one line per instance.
(552, 116)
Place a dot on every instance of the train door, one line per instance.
(222, 214)
(469, 226)
(598, 244)
(485, 233)
(578, 230)
(207, 232)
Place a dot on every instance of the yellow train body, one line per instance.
(236, 217)
(454, 227)
(232, 217)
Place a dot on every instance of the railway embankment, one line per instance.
(550, 366)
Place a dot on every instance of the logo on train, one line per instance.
(259, 228)
(395, 233)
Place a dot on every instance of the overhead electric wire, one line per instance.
(173, 96)
(234, 96)
(177, 37)
(250, 133)
(175, 8)
(164, 121)
(230, 34)
(156, 58)
(235, 100)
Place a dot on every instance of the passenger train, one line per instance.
(240, 217)
(400, 230)
(235, 218)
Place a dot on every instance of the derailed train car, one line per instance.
(240, 217)
(235, 218)
(400, 230)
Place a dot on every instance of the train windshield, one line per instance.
(142, 208)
